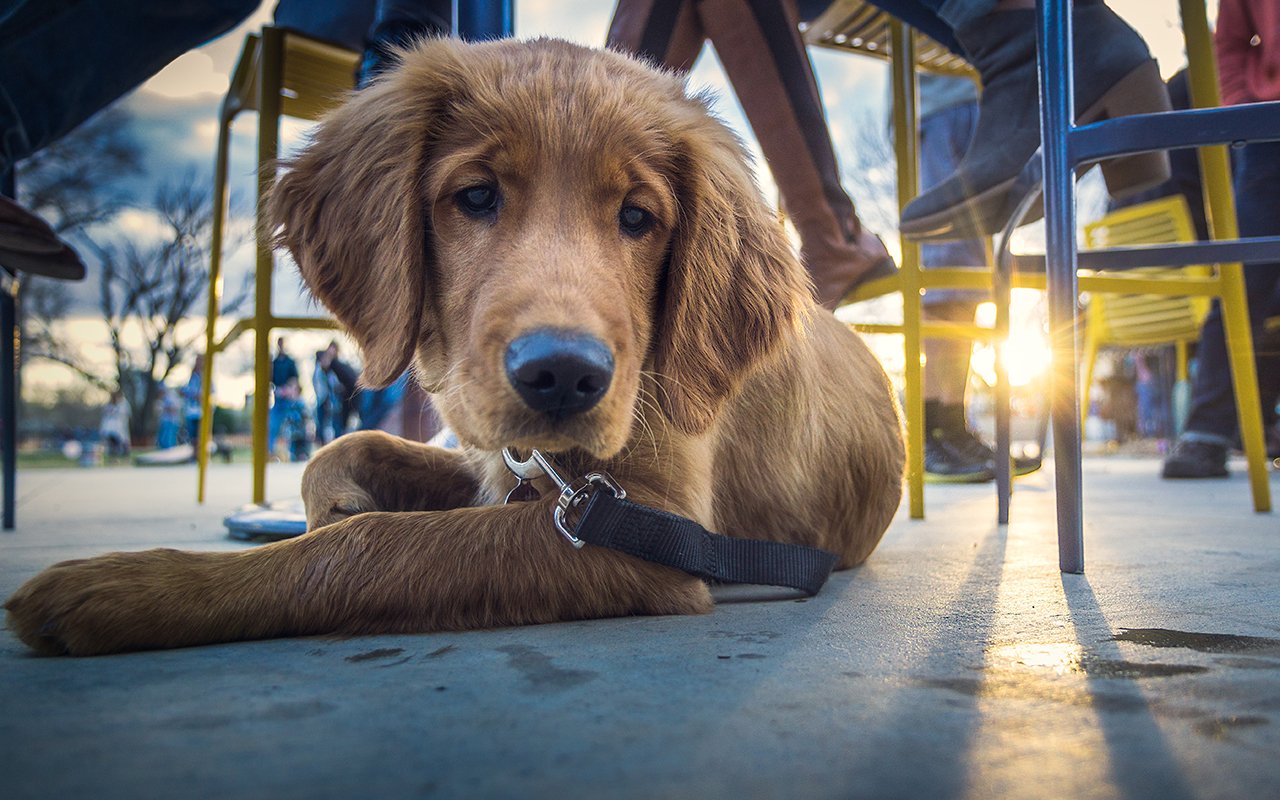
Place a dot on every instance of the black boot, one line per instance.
(391, 34)
(952, 452)
(28, 244)
(1115, 76)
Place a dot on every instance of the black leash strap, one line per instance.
(606, 518)
(675, 541)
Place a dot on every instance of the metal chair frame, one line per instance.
(280, 73)
(1065, 146)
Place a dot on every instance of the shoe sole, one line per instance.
(1140, 92)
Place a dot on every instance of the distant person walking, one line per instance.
(114, 427)
(191, 402)
(286, 406)
(170, 418)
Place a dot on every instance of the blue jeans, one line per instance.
(938, 18)
(375, 404)
(282, 410)
(65, 60)
(1213, 404)
(944, 137)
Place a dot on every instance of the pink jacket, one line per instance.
(1248, 43)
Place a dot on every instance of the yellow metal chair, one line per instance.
(857, 26)
(280, 73)
(1139, 320)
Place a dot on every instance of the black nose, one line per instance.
(559, 372)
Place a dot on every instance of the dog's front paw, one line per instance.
(120, 601)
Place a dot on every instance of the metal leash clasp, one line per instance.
(573, 494)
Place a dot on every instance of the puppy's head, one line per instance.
(536, 225)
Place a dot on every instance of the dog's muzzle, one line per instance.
(557, 372)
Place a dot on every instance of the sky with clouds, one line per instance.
(174, 113)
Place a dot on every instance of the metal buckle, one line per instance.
(573, 494)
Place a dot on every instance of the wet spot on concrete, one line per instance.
(1222, 727)
(1132, 670)
(374, 655)
(966, 686)
(747, 637)
(1200, 642)
(1007, 685)
(448, 648)
(852, 674)
(1068, 658)
(752, 655)
(538, 669)
(1247, 662)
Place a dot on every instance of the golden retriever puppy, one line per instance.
(573, 255)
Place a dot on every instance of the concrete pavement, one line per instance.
(957, 662)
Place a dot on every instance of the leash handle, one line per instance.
(675, 541)
(608, 519)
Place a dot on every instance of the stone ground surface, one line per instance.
(957, 662)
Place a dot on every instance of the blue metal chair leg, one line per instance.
(9, 389)
(1057, 117)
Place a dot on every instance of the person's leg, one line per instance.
(667, 33)
(952, 452)
(1115, 76)
(759, 45)
(65, 61)
(1212, 423)
(275, 420)
(397, 23)
(923, 15)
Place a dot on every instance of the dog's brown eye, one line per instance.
(478, 201)
(634, 221)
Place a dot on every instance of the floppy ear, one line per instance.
(734, 286)
(351, 208)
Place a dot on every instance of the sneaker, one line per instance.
(1195, 458)
(957, 457)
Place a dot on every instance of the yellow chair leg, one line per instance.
(215, 299)
(268, 144)
(905, 147)
(1215, 173)
(1089, 358)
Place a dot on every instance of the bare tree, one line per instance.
(870, 173)
(148, 290)
(71, 184)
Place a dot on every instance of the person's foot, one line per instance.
(1196, 458)
(28, 244)
(957, 456)
(1117, 76)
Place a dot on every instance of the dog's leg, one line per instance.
(371, 573)
(372, 471)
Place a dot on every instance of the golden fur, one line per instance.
(735, 400)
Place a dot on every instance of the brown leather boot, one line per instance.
(28, 244)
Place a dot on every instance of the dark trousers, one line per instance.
(62, 61)
(1213, 404)
(758, 42)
